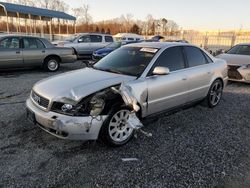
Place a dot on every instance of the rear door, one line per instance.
(10, 53)
(200, 73)
(168, 91)
(97, 41)
(33, 51)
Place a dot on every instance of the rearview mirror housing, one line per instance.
(161, 71)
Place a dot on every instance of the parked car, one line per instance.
(135, 81)
(128, 37)
(26, 51)
(100, 53)
(238, 59)
(85, 44)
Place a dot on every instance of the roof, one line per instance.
(158, 45)
(133, 35)
(9, 7)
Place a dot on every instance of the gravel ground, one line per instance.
(197, 147)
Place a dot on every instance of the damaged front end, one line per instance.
(98, 105)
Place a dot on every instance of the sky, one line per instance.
(189, 14)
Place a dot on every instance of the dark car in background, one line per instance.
(27, 51)
(100, 53)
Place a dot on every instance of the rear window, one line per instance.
(96, 38)
(109, 39)
(194, 56)
(32, 43)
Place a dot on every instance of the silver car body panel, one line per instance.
(153, 93)
(85, 48)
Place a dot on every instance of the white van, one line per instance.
(127, 37)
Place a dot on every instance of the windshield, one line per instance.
(127, 60)
(114, 45)
(71, 38)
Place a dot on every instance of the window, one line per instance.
(32, 43)
(244, 50)
(10, 43)
(127, 60)
(209, 60)
(171, 58)
(124, 38)
(130, 38)
(84, 39)
(96, 38)
(109, 39)
(194, 56)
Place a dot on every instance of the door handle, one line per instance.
(18, 52)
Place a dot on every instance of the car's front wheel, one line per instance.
(115, 130)
(51, 64)
(215, 93)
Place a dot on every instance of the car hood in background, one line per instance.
(233, 59)
(76, 85)
(104, 50)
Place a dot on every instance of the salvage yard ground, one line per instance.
(197, 147)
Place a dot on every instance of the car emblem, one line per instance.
(36, 98)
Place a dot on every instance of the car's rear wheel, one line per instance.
(115, 130)
(52, 64)
(215, 94)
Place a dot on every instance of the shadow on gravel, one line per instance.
(13, 73)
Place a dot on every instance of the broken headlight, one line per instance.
(69, 109)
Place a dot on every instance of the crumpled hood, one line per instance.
(233, 59)
(78, 84)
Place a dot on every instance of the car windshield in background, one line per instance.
(127, 60)
(71, 38)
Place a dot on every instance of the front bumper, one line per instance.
(66, 127)
(239, 73)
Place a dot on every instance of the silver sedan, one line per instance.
(26, 51)
(109, 100)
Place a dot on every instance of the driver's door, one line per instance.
(168, 91)
(84, 45)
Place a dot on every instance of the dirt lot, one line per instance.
(197, 147)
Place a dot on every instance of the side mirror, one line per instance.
(161, 71)
(80, 40)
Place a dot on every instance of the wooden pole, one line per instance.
(59, 27)
(75, 26)
(30, 24)
(50, 30)
(67, 27)
(41, 25)
(7, 22)
(19, 25)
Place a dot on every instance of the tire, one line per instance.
(115, 132)
(51, 64)
(215, 93)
